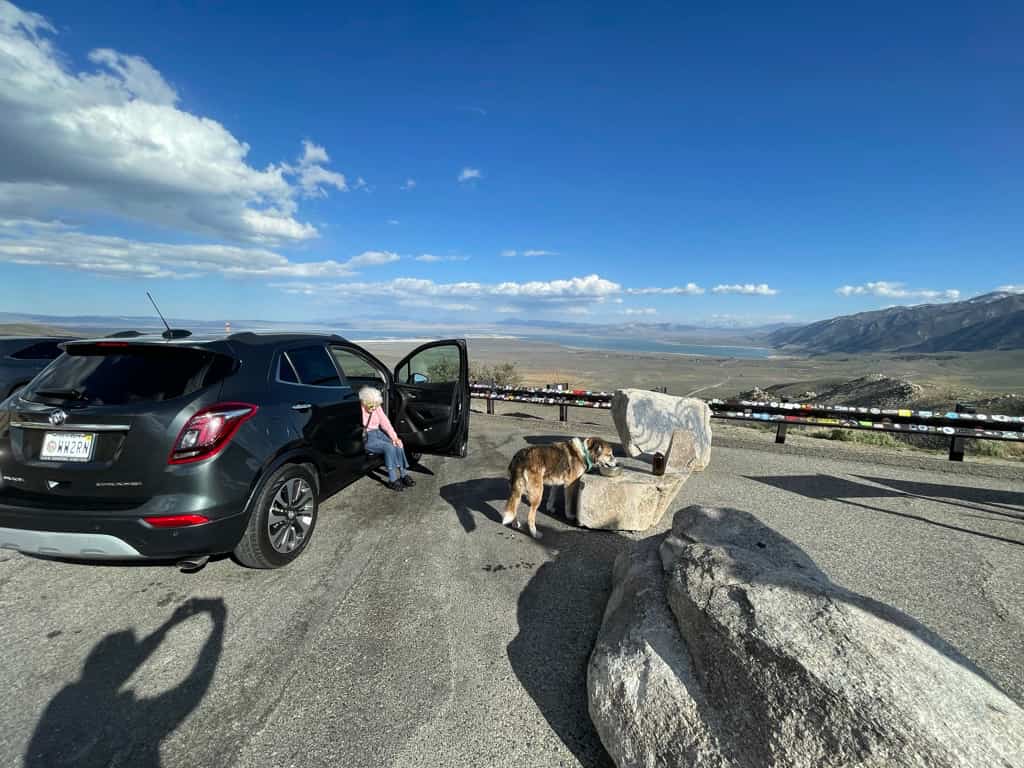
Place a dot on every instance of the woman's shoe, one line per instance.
(396, 486)
(408, 482)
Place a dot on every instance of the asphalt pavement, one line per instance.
(417, 631)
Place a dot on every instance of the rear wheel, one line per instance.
(282, 520)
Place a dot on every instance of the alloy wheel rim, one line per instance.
(291, 515)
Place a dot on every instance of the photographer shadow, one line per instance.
(92, 722)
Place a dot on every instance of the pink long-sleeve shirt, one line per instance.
(377, 419)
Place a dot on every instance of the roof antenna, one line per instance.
(168, 334)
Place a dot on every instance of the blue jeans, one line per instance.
(394, 457)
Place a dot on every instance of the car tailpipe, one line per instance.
(193, 564)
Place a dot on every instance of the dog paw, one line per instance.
(536, 534)
(507, 519)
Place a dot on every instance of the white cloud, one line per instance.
(468, 174)
(690, 289)
(510, 252)
(430, 258)
(372, 258)
(577, 311)
(312, 177)
(589, 288)
(360, 183)
(476, 110)
(44, 245)
(639, 311)
(409, 184)
(394, 221)
(114, 140)
(896, 291)
(1011, 288)
(746, 289)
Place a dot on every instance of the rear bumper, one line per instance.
(83, 546)
(113, 536)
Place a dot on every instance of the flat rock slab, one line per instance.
(724, 645)
(634, 500)
(646, 420)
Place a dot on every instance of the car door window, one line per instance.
(435, 365)
(286, 371)
(314, 367)
(355, 367)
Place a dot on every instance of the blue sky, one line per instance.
(646, 162)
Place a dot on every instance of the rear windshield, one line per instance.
(128, 375)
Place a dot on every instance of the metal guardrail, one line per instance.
(958, 425)
(561, 396)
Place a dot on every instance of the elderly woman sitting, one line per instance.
(381, 439)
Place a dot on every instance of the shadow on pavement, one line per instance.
(484, 497)
(844, 491)
(92, 722)
(559, 614)
(1008, 503)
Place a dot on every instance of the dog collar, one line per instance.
(585, 452)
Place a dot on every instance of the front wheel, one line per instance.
(282, 521)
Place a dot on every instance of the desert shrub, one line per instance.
(880, 439)
(502, 374)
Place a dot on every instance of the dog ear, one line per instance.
(593, 447)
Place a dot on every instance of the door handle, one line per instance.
(302, 407)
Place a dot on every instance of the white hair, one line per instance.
(370, 396)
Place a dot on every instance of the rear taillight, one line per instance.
(176, 521)
(209, 430)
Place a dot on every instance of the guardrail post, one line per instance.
(956, 449)
(490, 406)
(780, 433)
(956, 444)
(563, 413)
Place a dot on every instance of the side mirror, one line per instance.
(419, 378)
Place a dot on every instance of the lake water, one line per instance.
(652, 345)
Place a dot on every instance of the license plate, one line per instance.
(67, 446)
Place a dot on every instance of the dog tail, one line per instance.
(517, 486)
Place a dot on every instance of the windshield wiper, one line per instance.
(67, 394)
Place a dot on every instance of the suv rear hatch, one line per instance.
(95, 430)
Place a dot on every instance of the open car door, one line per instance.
(431, 399)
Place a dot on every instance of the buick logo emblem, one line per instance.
(58, 417)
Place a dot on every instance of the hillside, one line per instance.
(990, 322)
(30, 329)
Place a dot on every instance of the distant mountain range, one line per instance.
(994, 321)
(990, 322)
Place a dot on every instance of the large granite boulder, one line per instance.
(646, 420)
(724, 645)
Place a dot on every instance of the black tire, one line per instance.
(256, 549)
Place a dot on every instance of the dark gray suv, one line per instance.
(187, 447)
(22, 357)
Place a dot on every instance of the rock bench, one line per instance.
(636, 499)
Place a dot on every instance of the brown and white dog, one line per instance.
(557, 464)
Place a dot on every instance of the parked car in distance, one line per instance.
(156, 448)
(22, 357)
